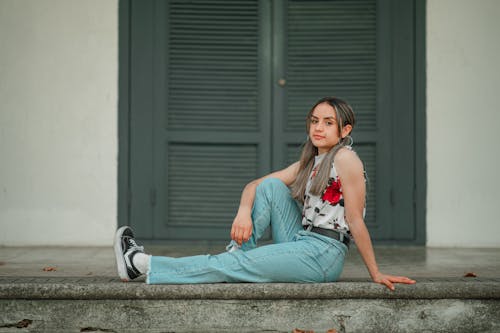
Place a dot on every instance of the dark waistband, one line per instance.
(330, 233)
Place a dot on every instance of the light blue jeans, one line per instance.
(296, 256)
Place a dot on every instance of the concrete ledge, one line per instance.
(104, 304)
(105, 288)
(218, 316)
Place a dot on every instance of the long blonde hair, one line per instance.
(345, 116)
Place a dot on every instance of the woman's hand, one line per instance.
(241, 229)
(388, 280)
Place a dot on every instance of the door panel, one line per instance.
(204, 187)
(331, 50)
(212, 81)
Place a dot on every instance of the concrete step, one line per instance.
(103, 304)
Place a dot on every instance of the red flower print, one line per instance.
(332, 192)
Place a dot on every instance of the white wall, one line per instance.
(463, 123)
(58, 122)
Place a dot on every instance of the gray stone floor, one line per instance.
(415, 262)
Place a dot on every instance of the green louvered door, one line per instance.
(340, 48)
(219, 92)
(211, 114)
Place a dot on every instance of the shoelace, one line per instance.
(133, 245)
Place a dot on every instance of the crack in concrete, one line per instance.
(96, 329)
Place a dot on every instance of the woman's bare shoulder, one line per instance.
(348, 159)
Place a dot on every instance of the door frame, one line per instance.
(418, 95)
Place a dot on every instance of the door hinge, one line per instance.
(152, 196)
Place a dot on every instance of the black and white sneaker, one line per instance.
(125, 249)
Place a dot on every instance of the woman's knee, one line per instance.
(271, 183)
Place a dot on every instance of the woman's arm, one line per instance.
(351, 175)
(242, 224)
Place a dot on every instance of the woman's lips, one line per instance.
(318, 137)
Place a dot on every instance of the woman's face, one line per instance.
(323, 128)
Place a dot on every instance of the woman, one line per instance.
(314, 207)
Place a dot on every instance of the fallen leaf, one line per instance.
(49, 269)
(332, 331)
(89, 273)
(24, 323)
(470, 274)
(2, 263)
(297, 330)
(20, 324)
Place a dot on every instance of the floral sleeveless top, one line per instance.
(327, 210)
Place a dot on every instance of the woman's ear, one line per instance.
(346, 130)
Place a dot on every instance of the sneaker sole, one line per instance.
(120, 260)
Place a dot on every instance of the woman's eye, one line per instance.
(314, 121)
(329, 123)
